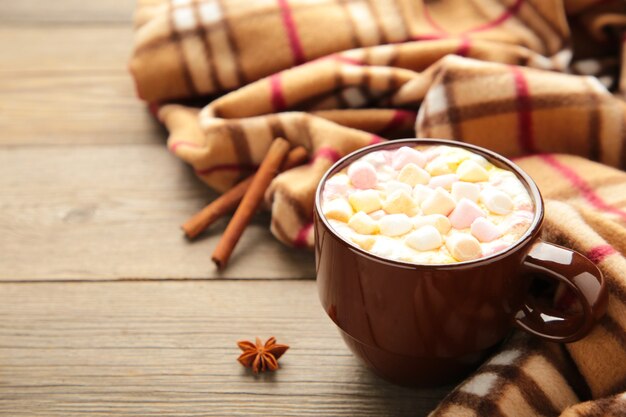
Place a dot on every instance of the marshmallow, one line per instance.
(470, 171)
(421, 192)
(376, 159)
(365, 242)
(480, 160)
(484, 230)
(464, 214)
(440, 166)
(386, 173)
(522, 202)
(440, 222)
(432, 153)
(399, 202)
(463, 247)
(336, 186)
(362, 175)
(337, 209)
(378, 214)
(413, 175)
(440, 202)
(406, 155)
(363, 224)
(395, 225)
(425, 238)
(465, 190)
(385, 247)
(365, 200)
(444, 181)
(394, 185)
(496, 201)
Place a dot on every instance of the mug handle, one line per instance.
(580, 275)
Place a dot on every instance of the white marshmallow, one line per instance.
(467, 190)
(440, 166)
(440, 202)
(444, 181)
(463, 247)
(470, 171)
(440, 222)
(393, 185)
(365, 242)
(421, 192)
(365, 200)
(385, 247)
(362, 223)
(425, 238)
(484, 230)
(395, 225)
(464, 214)
(480, 160)
(412, 175)
(376, 159)
(496, 201)
(378, 214)
(337, 209)
(399, 202)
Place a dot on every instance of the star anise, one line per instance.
(259, 356)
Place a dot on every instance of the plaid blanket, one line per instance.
(536, 80)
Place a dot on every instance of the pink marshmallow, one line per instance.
(406, 155)
(496, 248)
(443, 181)
(484, 230)
(464, 214)
(362, 175)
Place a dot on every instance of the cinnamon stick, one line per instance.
(228, 201)
(251, 201)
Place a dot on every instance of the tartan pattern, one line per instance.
(188, 48)
(337, 75)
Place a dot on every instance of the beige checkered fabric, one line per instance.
(536, 80)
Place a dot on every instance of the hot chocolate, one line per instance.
(427, 205)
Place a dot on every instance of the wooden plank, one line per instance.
(77, 11)
(36, 49)
(70, 86)
(113, 212)
(168, 348)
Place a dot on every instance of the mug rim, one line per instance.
(529, 235)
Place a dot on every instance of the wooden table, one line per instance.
(104, 308)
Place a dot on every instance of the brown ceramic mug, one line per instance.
(426, 324)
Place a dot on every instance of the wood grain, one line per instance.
(168, 348)
(113, 212)
(77, 11)
(64, 88)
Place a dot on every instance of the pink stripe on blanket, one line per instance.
(399, 118)
(581, 185)
(176, 145)
(524, 112)
(301, 238)
(464, 46)
(510, 12)
(292, 32)
(276, 91)
(327, 153)
(226, 167)
(597, 254)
